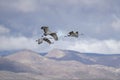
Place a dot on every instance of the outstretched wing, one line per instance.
(54, 35)
(47, 40)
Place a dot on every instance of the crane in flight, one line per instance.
(74, 34)
(53, 35)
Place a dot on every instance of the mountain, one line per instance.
(111, 60)
(57, 65)
(56, 54)
(7, 75)
(28, 58)
(13, 66)
(25, 56)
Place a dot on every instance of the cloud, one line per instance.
(85, 2)
(116, 23)
(15, 43)
(27, 6)
(24, 6)
(91, 17)
(91, 46)
(4, 30)
(105, 46)
(83, 45)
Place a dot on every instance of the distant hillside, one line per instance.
(111, 60)
(59, 65)
(8, 52)
(13, 66)
(25, 56)
(7, 75)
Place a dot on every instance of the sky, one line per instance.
(99, 20)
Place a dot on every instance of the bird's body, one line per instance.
(43, 39)
(48, 32)
(47, 40)
(73, 34)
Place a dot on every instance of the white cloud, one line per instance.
(3, 29)
(34, 5)
(105, 46)
(91, 45)
(67, 13)
(86, 45)
(91, 2)
(19, 5)
(14, 43)
(21, 42)
(116, 24)
(25, 5)
(85, 2)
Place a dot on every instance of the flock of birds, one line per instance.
(54, 35)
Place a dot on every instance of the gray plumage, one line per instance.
(43, 39)
(47, 40)
(73, 34)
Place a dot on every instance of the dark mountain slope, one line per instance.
(8, 65)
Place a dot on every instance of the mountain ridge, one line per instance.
(55, 66)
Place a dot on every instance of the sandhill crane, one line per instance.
(72, 34)
(48, 32)
(43, 39)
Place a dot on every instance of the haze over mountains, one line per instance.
(59, 65)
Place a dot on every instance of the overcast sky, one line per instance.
(99, 20)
